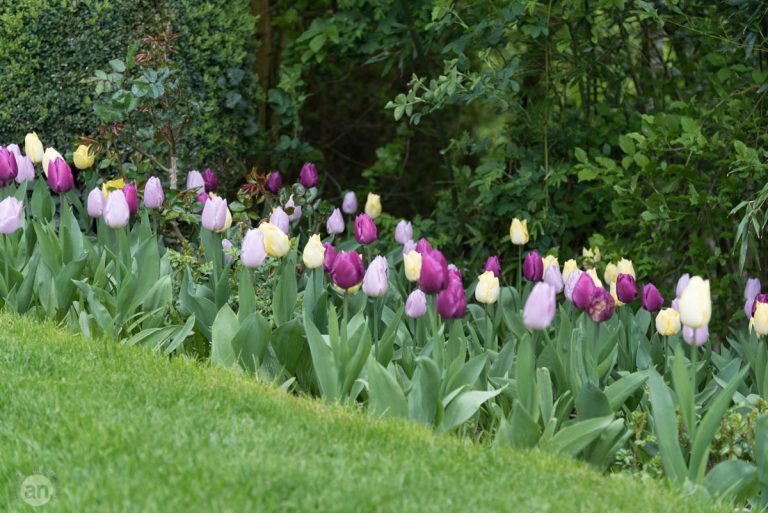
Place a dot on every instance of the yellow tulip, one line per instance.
(550, 260)
(696, 303)
(595, 279)
(625, 267)
(412, 265)
(227, 222)
(112, 185)
(487, 290)
(276, 242)
(373, 205)
(49, 156)
(83, 157)
(33, 148)
(568, 267)
(611, 272)
(314, 253)
(668, 322)
(613, 294)
(518, 232)
(759, 321)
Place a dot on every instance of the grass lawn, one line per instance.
(122, 429)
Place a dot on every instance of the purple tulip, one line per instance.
(533, 266)
(423, 246)
(349, 205)
(274, 182)
(116, 212)
(676, 304)
(14, 148)
(626, 288)
(540, 307)
(195, 181)
(416, 304)
(347, 270)
(280, 219)
(293, 208)
(583, 292)
(202, 197)
(601, 306)
(330, 254)
(403, 232)
(132, 197)
(335, 223)
(493, 264)
(760, 298)
(571, 282)
(95, 203)
(209, 180)
(252, 252)
(681, 284)
(11, 212)
(451, 302)
(225, 245)
(60, 176)
(554, 278)
(8, 167)
(308, 175)
(153, 193)
(696, 336)
(434, 272)
(214, 216)
(408, 247)
(25, 169)
(651, 298)
(365, 229)
(375, 283)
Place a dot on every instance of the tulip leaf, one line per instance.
(734, 479)
(284, 296)
(424, 396)
(666, 428)
(385, 397)
(592, 403)
(619, 391)
(573, 439)
(464, 406)
(225, 327)
(251, 341)
(246, 294)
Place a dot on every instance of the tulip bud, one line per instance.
(365, 229)
(14, 148)
(759, 320)
(681, 284)
(195, 181)
(330, 254)
(83, 158)
(314, 253)
(95, 203)
(760, 298)
(209, 180)
(308, 175)
(416, 304)
(153, 193)
(347, 271)
(695, 337)
(294, 210)
(403, 232)
(60, 177)
(335, 223)
(540, 307)
(252, 252)
(280, 219)
(533, 267)
(487, 290)
(423, 245)
(676, 304)
(616, 301)
(132, 197)
(593, 274)
(216, 216)
(651, 298)
(116, 212)
(568, 267)
(601, 306)
(518, 232)
(626, 289)
(696, 303)
(611, 272)
(408, 247)
(554, 278)
(668, 322)
(11, 212)
(8, 167)
(33, 148)
(451, 302)
(412, 265)
(373, 205)
(434, 272)
(349, 205)
(226, 245)
(375, 283)
(570, 283)
(752, 288)
(493, 264)
(274, 182)
(583, 291)
(625, 267)
(276, 242)
(25, 170)
(48, 157)
(550, 260)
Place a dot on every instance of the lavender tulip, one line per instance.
(651, 298)
(11, 212)
(571, 282)
(8, 167)
(375, 283)
(153, 193)
(365, 229)
(132, 197)
(226, 244)
(416, 304)
(214, 216)
(347, 270)
(14, 148)
(293, 208)
(308, 175)
(676, 304)
(451, 302)
(335, 223)
(274, 182)
(540, 307)
(554, 278)
(626, 288)
(408, 247)
(434, 272)
(95, 203)
(60, 176)
(116, 213)
(330, 254)
(533, 266)
(349, 205)
(280, 219)
(195, 181)
(583, 292)
(209, 180)
(601, 306)
(252, 252)
(403, 232)
(752, 288)
(493, 264)
(696, 336)
(25, 170)
(681, 284)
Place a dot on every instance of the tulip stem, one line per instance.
(489, 329)
(520, 274)
(376, 320)
(5, 263)
(694, 364)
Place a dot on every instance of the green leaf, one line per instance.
(619, 391)
(734, 479)
(592, 402)
(573, 439)
(385, 397)
(665, 427)
(223, 331)
(323, 361)
(425, 392)
(463, 407)
(251, 342)
(284, 298)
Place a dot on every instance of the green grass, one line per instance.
(122, 429)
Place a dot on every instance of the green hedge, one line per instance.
(49, 47)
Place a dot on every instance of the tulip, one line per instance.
(412, 265)
(349, 205)
(48, 157)
(518, 232)
(112, 185)
(8, 167)
(570, 283)
(83, 158)
(681, 284)
(33, 148)
(540, 307)
(408, 247)
(451, 302)
(550, 260)
(423, 245)
(611, 272)
(373, 205)
(274, 182)
(335, 223)
(308, 175)
(202, 197)
(347, 271)
(752, 288)
(116, 212)
(595, 279)
(195, 181)
(276, 242)
(294, 210)
(252, 252)
(280, 219)
(403, 232)
(365, 229)
(493, 264)
(14, 148)
(95, 203)
(330, 254)
(583, 291)
(614, 296)
(314, 253)
(651, 298)
(696, 337)
(591, 255)
(153, 193)
(696, 303)
(209, 180)
(375, 283)
(434, 272)
(568, 267)
(226, 244)
(668, 322)
(625, 267)
(25, 169)
(487, 290)
(60, 176)
(132, 197)
(416, 304)
(216, 216)
(760, 298)
(11, 212)
(759, 320)
(533, 267)
(626, 289)
(554, 278)
(676, 304)
(601, 306)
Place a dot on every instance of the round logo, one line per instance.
(36, 490)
